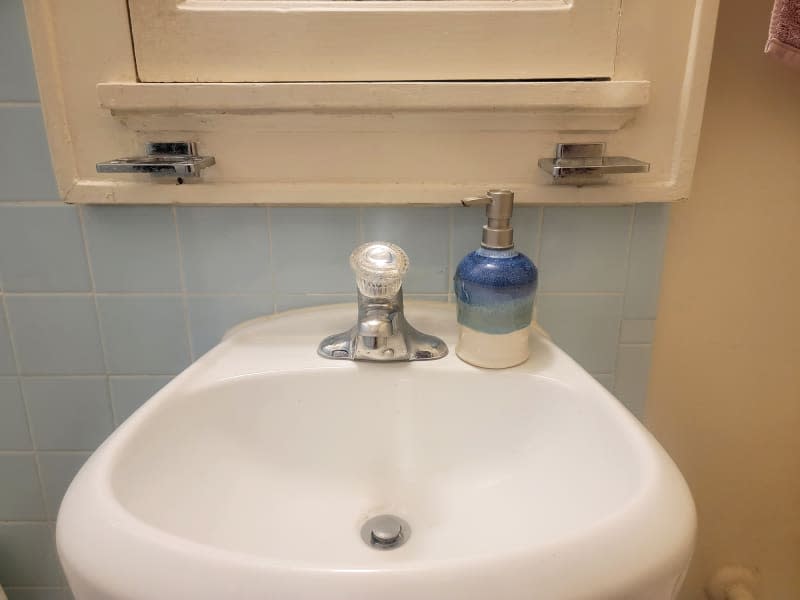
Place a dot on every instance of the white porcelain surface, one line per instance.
(250, 475)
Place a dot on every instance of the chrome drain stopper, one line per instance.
(385, 532)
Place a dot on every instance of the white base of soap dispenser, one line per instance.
(493, 351)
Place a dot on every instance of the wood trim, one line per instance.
(693, 93)
(624, 191)
(371, 96)
(45, 55)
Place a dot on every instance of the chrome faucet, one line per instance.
(382, 332)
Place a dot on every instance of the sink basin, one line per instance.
(251, 474)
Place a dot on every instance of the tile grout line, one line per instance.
(537, 251)
(319, 294)
(146, 294)
(90, 267)
(360, 224)
(535, 258)
(32, 203)
(25, 522)
(23, 396)
(182, 277)
(211, 294)
(36, 588)
(19, 103)
(85, 375)
(48, 451)
(426, 294)
(585, 294)
(143, 375)
(271, 262)
(53, 294)
(451, 235)
(51, 525)
(631, 226)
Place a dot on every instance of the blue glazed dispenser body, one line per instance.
(495, 290)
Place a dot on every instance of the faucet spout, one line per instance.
(377, 321)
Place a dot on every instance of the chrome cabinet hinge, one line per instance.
(582, 164)
(163, 159)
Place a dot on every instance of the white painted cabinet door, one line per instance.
(373, 40)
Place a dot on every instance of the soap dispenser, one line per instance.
(494, 288)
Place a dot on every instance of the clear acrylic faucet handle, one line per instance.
(379, 268)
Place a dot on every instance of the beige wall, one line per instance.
(724, 394)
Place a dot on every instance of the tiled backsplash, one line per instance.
(100, 306)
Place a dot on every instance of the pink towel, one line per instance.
(784, 32)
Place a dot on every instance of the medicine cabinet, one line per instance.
(372, 101)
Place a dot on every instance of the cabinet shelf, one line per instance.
(372, 96)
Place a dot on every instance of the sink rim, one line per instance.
(651, 461)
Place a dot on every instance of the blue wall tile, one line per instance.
(129, 393)
(423, 234)
(14, 434)
(144, 335)
(58, 471)
(426, 297)
(28, 555)
(291, 301)
(225, 249)
(637, 331)
(584, 248)
(38, 593)
(585, 326)
(22, 499)
(211, 316)
(68, 414)
(647, 257)
(632, 375)
(133, 248)
(25, 168)
(41, 249)
(7, 365)
(311, 249)
(17, 79)
(56, 334)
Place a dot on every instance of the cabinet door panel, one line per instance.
(372, 40)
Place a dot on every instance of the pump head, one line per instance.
(497, 233)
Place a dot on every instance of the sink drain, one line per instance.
(385, 532)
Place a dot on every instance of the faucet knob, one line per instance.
(379, 268)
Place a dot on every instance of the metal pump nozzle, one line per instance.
(497, 233)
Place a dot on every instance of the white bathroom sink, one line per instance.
(252, 473)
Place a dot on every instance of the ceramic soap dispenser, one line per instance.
(495, 287)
